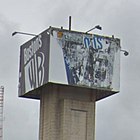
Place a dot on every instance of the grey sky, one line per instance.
(117, 117)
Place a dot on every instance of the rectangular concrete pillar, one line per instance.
(66, 115)
(77, 120)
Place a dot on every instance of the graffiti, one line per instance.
(88, 59)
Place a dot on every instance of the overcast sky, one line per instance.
(117, 117)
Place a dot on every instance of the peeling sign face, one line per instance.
(90, 60)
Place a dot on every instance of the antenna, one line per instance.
(69, 23)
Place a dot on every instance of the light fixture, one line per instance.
(126, 53)
(14, 33)
(96, 27)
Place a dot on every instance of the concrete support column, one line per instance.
(66, 114)
(49, 115)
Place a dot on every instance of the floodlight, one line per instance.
(96, 27)
(126, 53)
(14, 33)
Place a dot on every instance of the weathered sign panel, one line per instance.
(70, 58)
(84, 60)
(34, 57)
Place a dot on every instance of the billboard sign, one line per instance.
(70, 58)
(84, 60)
(33, 63)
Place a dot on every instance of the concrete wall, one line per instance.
(66, 115)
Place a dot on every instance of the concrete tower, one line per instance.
(68, 72)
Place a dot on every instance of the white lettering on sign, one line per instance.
(34, 65)
(32, 49)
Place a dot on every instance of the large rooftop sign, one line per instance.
(71, 59)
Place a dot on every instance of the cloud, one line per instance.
(16, 111)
